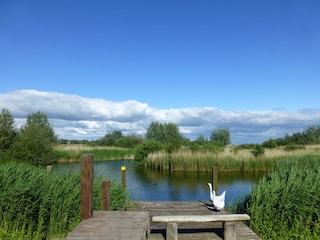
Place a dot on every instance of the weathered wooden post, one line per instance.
(172, 231)
(123, 176)
(105, 196)
(86, 188)
(229, 230)
(215, 170)
(49, 169)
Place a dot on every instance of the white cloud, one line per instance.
(76, 117)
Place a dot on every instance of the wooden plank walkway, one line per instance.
(137, 224)
(113, 225)
(195, 231)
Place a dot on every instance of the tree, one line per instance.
(221, 136)
(111, 138)
(166, 133)
(7, 131)
(271, 143)
(34, 144)
(201, 140)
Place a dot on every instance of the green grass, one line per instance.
(38, 205)
(286, 203)
(72, 153)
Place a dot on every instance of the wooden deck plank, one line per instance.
(133, 225)
(113, 225)
(203, 231)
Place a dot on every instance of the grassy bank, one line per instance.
(73, 152)
(38, 205)
(286, 203)
(230, 159)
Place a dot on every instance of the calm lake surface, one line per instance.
(150, 185)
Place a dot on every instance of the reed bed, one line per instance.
(286, 203)
(231, 159)
(73, 152)
(38, 205)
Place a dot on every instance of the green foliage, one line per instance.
(271, 143)
(285, 204)
(142, 151)
(221, 136)
(129, 141)
(293, 147)
(165, 133)
(309, 136)
(110, 138)
(37, 205)
(116, 138)
(258, 150)
(7, 131)
(34, 142)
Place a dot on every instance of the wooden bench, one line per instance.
(229, 221)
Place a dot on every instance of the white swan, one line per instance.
(218, 201)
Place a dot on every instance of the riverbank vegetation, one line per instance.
(285, 203)
(231, 158)
(163, 147)
(72, 152)
(38, 205)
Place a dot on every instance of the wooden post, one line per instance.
(86, 190)
(123, 176)
(215, 180)
(229, 231)
(172, 231)
(105, 196)
(49, 169)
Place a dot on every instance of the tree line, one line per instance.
(34, 141)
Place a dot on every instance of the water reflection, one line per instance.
(150, 185)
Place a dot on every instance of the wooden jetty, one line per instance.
(137, 224)
(113, 225)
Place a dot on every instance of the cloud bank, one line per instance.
(76, 117)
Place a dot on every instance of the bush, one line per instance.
(293, 147)
(258, 150)
(142, 151)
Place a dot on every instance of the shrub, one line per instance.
(142, 151)
(258, 150)
(293, 147)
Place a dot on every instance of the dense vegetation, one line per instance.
(38, 205)
(286, 203)
(32, 143)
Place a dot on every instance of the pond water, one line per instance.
(151, 185)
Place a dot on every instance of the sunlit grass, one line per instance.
(73, 152)
(230, 159)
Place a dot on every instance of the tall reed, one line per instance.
(231, 159)
(286, 203)
(38, 205)
(187, 160)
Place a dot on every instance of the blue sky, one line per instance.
(234, 56)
